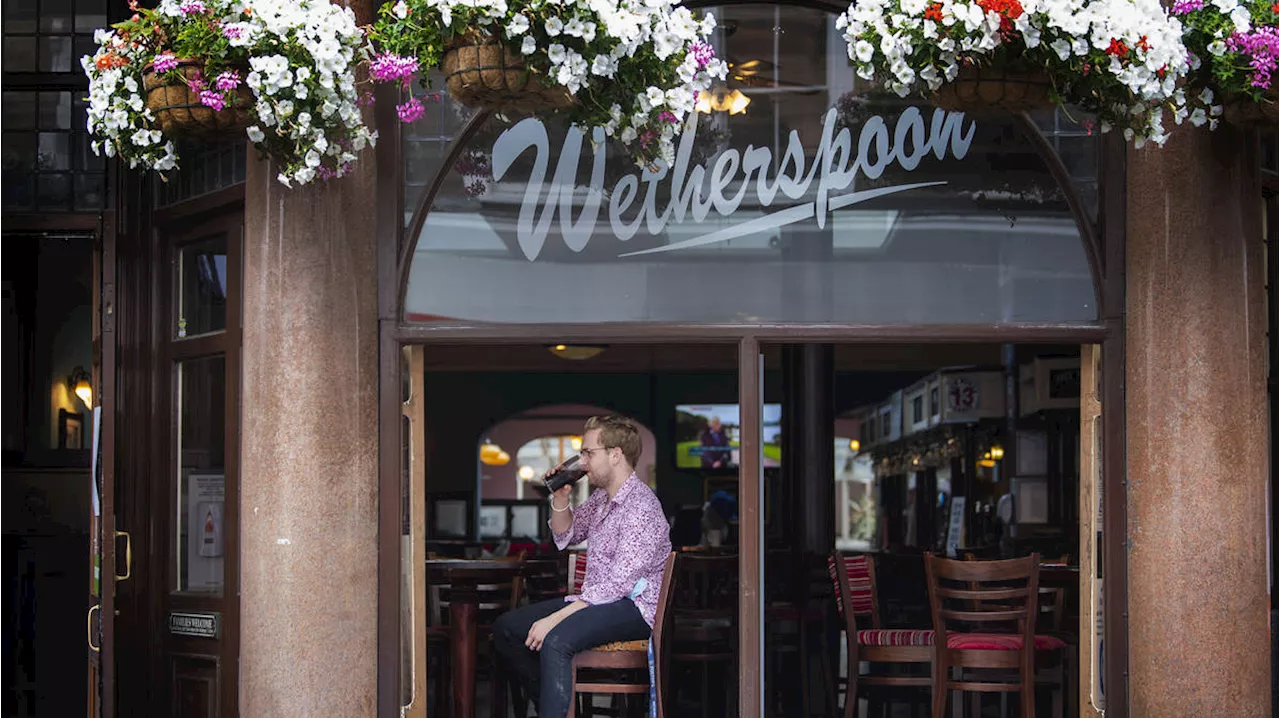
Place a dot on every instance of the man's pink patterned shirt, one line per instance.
(628, 541)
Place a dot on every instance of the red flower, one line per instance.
(1008, 10)
(1117, 48)
(1143, 44)
(934, 12)
(109, 61)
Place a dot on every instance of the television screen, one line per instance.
(707, 436)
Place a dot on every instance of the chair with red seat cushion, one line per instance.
(987, 611)
(855, 588)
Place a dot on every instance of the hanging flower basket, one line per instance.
(174, 98)
(482, 72)
(1118, 60)
(989, 90)
(632, 70)
(282, 72)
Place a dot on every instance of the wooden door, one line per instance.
(100, 623)
(195, 480)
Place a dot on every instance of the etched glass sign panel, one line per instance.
(798, 194)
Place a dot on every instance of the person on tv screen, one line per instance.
(714, 436)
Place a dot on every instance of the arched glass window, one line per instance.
(801, 195)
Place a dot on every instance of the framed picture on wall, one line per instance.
(70, 430)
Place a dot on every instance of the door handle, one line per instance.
(89, 628)
(128, 555)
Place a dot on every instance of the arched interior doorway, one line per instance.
(539, 439)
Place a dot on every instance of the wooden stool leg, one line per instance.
(939, 690)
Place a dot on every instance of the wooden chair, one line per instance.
(577, 572)
(987, 611)
(631, 656)
(704, 612)
(544, 578)
(855, 581)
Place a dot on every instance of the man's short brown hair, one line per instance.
(617, 431)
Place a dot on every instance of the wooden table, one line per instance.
(465, 580)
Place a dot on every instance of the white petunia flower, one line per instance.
(518, 25)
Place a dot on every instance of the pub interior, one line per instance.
(870, 451)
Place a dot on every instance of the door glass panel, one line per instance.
(200, 473)
(202, 288)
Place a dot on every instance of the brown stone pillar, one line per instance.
(309, 456)
(1196, 430)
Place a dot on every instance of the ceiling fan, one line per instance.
(756, 73)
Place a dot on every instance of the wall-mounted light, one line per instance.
(526, 473)
(855, 446)
(492, 455)
(81, 383)
(722, 99)
(576, 352)
(997, 452)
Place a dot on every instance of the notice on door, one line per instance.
(205, 496)
(200, 625)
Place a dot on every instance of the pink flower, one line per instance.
(232, 32)
(389, 66)
(702, 53)
(192, 7)
(196, 82)
(228, 80)
(1261, 48)
(212, 99)
(164, 62)
(666, 116)
(410, 111)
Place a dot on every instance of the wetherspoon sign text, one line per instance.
(698, 190)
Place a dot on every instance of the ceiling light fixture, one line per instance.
(492, 455)
(81, 383)
(722, 99)
(576, 352)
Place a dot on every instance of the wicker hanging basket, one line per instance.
(993, 90)
(1248, 114)
(481, 72)
(178, 109)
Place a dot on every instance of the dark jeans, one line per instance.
(547, 675)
